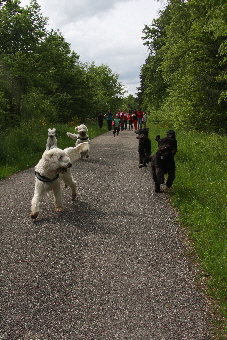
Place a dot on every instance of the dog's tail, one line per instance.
(74, 153)
(72, 135)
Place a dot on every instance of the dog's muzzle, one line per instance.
(63, 169)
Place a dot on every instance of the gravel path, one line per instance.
(111, 266)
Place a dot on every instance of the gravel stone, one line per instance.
(111, 266)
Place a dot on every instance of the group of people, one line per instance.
(123, 120)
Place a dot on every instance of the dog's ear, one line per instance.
(76, 128)
(50, 155)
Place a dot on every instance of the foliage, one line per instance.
(184, 77)
(105, 90)
(129, 103)
(41, 77)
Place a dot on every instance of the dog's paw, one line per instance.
(34, 215)
(59, 209)
(73, 197)
(157, 188)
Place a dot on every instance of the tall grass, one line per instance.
(22, 147)
(199, 194)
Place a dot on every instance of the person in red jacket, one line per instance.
(140, 118)
(134, 119)
(125, 114)
(129, 118)
(121, 116)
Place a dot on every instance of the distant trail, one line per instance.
(111, 266)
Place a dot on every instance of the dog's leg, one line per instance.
(69, 181)
(171, 177)
(145, 159)
(36, 200)
(58, 195)
(160, 176)
(141, 157)
(155, 179)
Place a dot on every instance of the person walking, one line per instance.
(116, 126)
(144, 119)
(100, 120)
(140, 118)
(121, 115)
(134, 119)
(125, 119)
(129, 118)
(109, 118)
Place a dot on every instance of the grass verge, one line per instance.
(22, 147)
(199, 194)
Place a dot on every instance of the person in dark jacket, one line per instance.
(100, 120)
(109, 118)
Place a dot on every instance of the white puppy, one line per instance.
(81, 137)
(52, 167)
(51, 140)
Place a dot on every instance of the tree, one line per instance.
(186, 66)
(41, 77)
(21, 30)
(130, 102)
(153, 88)
(104, 88)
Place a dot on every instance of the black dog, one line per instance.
(162, 162)
(173, 142)
(144, 148)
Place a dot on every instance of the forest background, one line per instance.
(41, 79)
(183, 80)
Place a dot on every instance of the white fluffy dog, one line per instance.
(52, 167)
(81, 137)
(51, 140)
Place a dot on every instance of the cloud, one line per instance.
(106, 32)
(69, 11)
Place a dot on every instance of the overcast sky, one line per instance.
(105, 31)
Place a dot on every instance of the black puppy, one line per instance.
(173, 142)
(144, 148)
(162, 162)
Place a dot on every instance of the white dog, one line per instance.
(81, 137)
(52, 167)
(51, 140)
